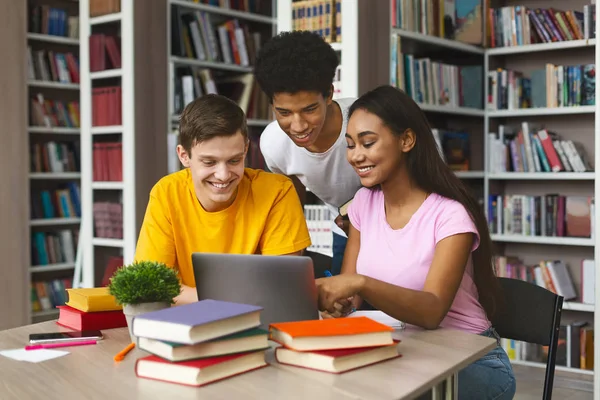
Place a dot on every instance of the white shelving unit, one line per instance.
(567, 113)
(140, 26)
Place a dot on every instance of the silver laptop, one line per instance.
(283, 285)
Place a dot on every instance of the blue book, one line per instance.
(196, 322)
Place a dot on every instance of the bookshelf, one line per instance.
(575, 121)
(123, 121)
(211, 49)
(52, 87)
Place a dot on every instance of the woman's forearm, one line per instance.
(414, 307)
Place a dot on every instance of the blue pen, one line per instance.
(328, 274)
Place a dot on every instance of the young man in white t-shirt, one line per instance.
(306, 142)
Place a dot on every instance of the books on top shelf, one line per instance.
(105, 52)
(520, 25)
(551, 215)
(334, 345)
(104, 7)
(55, 21)
(530, 148)
(458, 20)
(323, 17)
(199, 343)
(551, 86)
(52, 66)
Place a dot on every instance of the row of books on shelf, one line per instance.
(53, 113)
(48, 20)
(47, 295)
(435, 83)
(552, 86)
(575, 347)
(108, 219)
(105, 52)
(51, 66)
(191, 83)
(196, 35)
(548, 215)
(56, 247)
(55, 157)
(231, 342)
(108, 162)
(318, 219)
(262, 7)
(104, 7)
(553, 275)
(520, 25)
(62, 202)
(107, 106)
(441, 18)
(530, 149)
(323, 17)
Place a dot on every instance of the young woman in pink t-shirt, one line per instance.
(418, 248)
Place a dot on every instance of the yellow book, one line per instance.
(92, 299)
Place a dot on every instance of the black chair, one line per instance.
(321, 262)
(531, 314)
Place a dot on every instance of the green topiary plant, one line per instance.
(145, 282)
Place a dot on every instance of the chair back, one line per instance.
(530, 313)
(321, 262)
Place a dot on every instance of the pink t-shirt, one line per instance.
(403, 256)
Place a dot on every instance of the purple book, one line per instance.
(196, 322)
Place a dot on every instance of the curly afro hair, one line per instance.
(296, 61)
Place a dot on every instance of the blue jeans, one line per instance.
(339, 246)
(489, 378)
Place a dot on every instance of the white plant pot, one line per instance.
(131, 310)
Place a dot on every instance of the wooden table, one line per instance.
(429, 358)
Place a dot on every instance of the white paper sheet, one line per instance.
(380, 317)
(33, 356)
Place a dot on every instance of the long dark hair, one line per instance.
(429, 171)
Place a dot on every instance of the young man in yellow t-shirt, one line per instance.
(215, 204)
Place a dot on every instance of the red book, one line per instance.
(199, 372)
(75, 319)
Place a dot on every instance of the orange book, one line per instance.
(329, 334)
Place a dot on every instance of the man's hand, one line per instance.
(343, 223)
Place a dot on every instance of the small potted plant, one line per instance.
(142, 287)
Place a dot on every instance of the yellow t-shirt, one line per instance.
(266, 217)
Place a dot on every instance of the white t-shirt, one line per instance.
(328, 175)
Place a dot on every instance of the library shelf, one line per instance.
(575, 306)
(54, 130)
(53, 85)
(55, 175)
(546, 240)
(54, 221)
(106, 130)
(106, 242)
(337, 46)
(53, 39)
(106, 19)
(543, 176)
(248, 16)
(107, 185)
(190, 62)
(51, 267)
(541, 111)
(106, 74)
(439, 42)
(558, 367)
(473, 112)
(538, 47)
(470, 174)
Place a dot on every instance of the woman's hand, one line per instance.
(336, 292)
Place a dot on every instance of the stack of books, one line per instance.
(200, 343)
(334, 345)
(91, 309)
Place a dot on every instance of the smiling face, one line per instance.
(301, 116)
(373, 150)
(217, 167)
